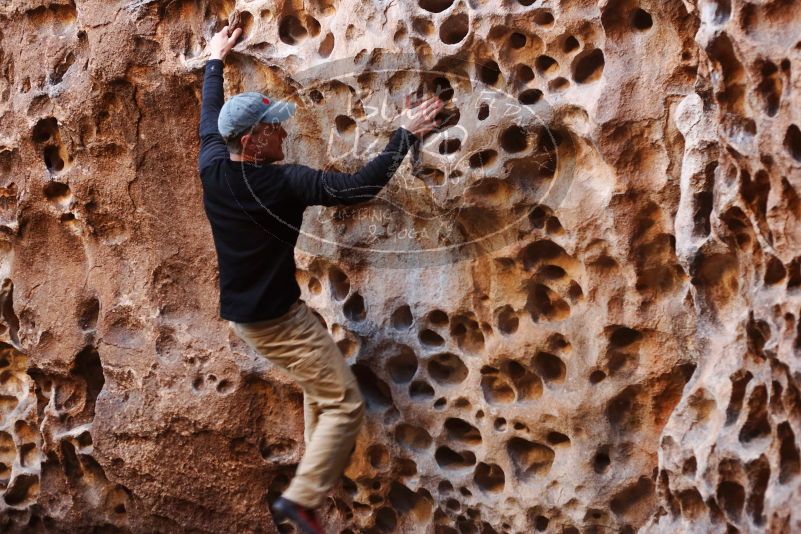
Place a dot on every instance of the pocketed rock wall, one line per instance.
(629, 360)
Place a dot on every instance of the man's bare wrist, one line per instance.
(215, 56)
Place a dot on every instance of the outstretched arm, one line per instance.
(316, 187)
(312, 187)
(212, 146)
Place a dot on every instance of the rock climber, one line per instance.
(255, 209)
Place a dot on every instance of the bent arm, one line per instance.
(327, 188)
(212, 146)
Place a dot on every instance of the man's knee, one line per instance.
(349, 409)
(356, 408)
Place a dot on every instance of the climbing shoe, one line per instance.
(304, 518)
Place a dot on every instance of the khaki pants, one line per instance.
(333, 408)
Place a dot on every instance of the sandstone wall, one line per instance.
(623, 356)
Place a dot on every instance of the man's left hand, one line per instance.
(222, 43)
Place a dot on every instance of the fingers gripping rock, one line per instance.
(234, 22)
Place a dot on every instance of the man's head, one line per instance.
(261, 143)
(251, 125)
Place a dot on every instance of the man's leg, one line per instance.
(300, 345)
(310, 417)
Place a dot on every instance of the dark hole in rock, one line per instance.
(497, 390)
(420, 390)
(570, 44)
(517, 40)
(558, 84)
(88, 367)
(489, 72)
(454, 29)
(313, 26)
(588, 66)
(69, 460)
(437, 317)
(402, 366)
(789, 455)
(523, 74)
(461, 430)
(630, 497)
(641, 19)
(376, 392)
(326, 45)
(52, 158)
(508, 321)
(623, 336)
(543, 18)
(56, 191)
(449, 146)
(483, 159)
(344, 124)
(546, 64)
(601, 461)
(442, 88)
(483, 111)
(739, 382)
(792, 141)
(45, 130)
(731, 497)
(774, 271)
(385, 519)
(758, 472)
(550, 367)
(623, 410)
(422, 25)
(291, 30)
(489, 477)
(21, 488)
(514, 139)
(530, 97)
(314, 285)
(435, 6)
(557, 438)
(339, 283)
(447, 368)
(430, 338)
(447, 117)
(757, 424)
(529, 458)
(354, 308)
(447, 458)
(402, 318)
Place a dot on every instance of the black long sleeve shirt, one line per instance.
(256, 211)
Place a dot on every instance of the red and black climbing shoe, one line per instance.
(304, 518)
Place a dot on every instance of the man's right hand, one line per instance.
(222, 43)
(419, 119)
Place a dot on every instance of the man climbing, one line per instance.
(255, 208)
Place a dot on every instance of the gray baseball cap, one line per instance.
(241, 112)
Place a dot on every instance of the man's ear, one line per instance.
(244, 140)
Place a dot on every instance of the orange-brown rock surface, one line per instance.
(583, 315)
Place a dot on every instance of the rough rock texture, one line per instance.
(630, 360)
